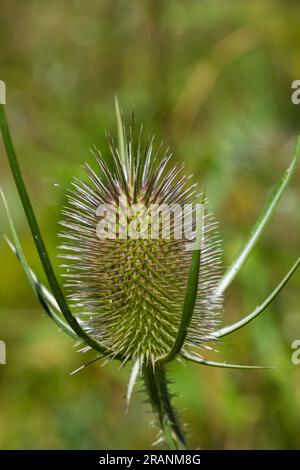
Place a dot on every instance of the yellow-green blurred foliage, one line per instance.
(213, 80)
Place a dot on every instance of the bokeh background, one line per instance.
(213, 80)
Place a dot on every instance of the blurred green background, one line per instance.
(213, 80)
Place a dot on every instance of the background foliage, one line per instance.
(213, 79)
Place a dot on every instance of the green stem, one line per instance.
(160, 399)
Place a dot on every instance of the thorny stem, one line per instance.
(160, 399)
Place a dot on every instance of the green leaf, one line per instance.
(236, 326)
(223, 365)
(38, 240)
(44, 296)
(192, 287)
(84, 366)
(261, 223)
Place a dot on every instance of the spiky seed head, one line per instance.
(128, 293)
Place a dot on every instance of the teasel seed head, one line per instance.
(128, 293)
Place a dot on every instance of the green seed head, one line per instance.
(128, 289)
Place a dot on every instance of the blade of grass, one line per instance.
(236, 326)
(38, 240)
(191, 290)
(260, 224)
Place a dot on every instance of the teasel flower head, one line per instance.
(143, 298)
(129, 290)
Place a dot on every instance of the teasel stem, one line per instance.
(157, 388)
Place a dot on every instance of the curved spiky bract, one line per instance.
(128, 289)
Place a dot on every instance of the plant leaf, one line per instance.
(38, 240)
(260, 224)
(236, 326)
(43, 295)
(84, 366)
(223, 365)
(191, 290)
